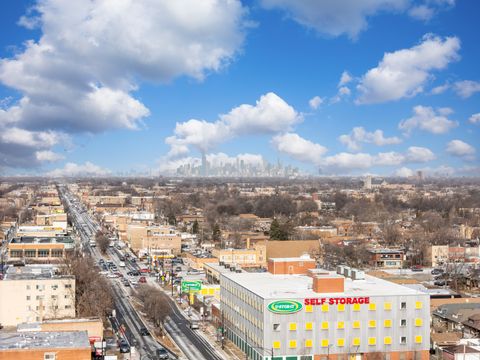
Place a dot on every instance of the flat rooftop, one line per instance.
(269, 286)
(42, 240)
(44, 340)
(29, 272)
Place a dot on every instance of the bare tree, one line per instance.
(102, 241)
(155, 304)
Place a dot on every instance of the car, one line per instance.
(144, 331)
(416, 268)
(123, 346)
(194, 325)
(437, 271)
(178, 269)
(112, 276)
(142, 280)
(440, 282)
(144, 270)
(134, 282)
(162, 353)
(126, 283)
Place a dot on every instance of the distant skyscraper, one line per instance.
(204, 164)
(420, 175)
(367, 183)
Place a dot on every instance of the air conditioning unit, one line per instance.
(358, 274)
(347, 272)
(340, 269)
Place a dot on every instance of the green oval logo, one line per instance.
(285, 307)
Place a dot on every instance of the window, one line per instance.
(418, 305)
(54, 287)
(387, 323)
(403, 340)
(49, 356)
(341, 325)
(356, 324)
(39, 297)
(292, 326)
(356, 307)
(308, 343)
(16, 253)
(309, 326)
(43, 253)
(40, 287)
(324, 325)
(68, 306)
(57, 253)
(28, 298)
(325, 308)
(418, 339)
(387, 340)
(372, 306)
(387, 306)
(292, 344)
(68, 286)
(54, 297)
(308, 308)
(324, 343)
(276, 344)
(403, 322)
(356, 341)
(403, 305)
(372, 324)
(30, 253)
(372, 341)
(28, 287)
(418, 322)
(340, 342)
(276, 327)
(341, 307)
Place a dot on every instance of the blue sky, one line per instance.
(99, 87)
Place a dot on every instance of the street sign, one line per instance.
(189, 286)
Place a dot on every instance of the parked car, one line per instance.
(162, 354)
(178, 269)
(142, 280)
(144, 331)
(123, 346)
(437, 271)
(440, 282)
(416, 268)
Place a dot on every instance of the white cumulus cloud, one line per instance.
(359, 135)
(475, 118)
(335, 17)
(404, 172)
(418, 154)
(345, 79)
(48, 156)
(461, 149)
(79, 170)
(81, 74)
(466, 88)
(315, 102)
(270, 115)
(428, 119)
(299, 148)
(404, 73)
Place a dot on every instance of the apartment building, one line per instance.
(34, 293)
(162, 239)
(255, 256)
(383, 258)
(297, 312)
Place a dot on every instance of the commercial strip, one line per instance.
(297, 312)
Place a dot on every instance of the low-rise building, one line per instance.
(39, 249)
(295, 311)
(381, 258)
(34, 293)
(63, 345)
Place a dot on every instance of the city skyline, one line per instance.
(335, 88)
